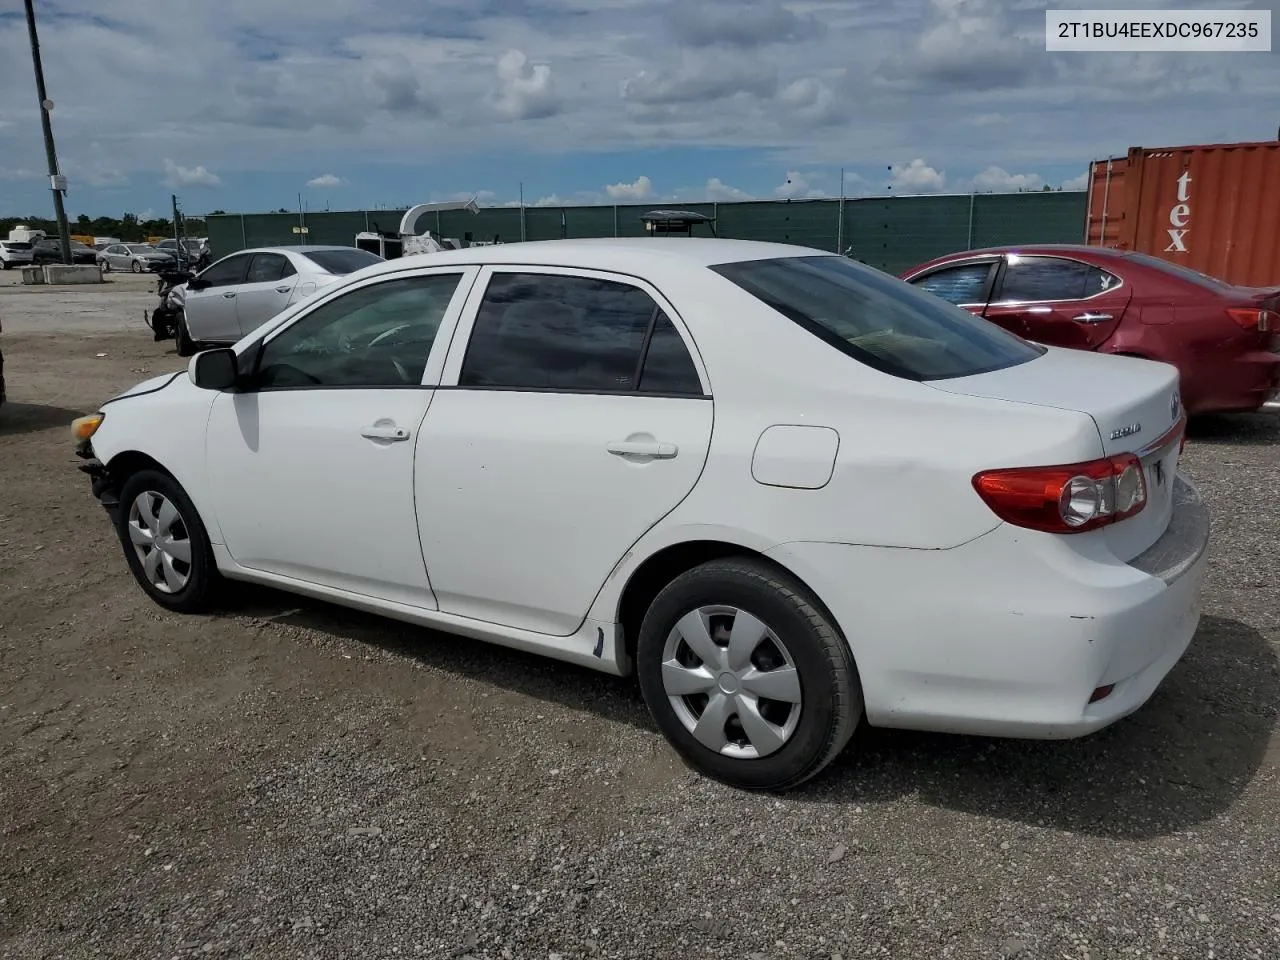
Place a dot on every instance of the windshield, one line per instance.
(342, 261)
(1177, 270)
(878, 319)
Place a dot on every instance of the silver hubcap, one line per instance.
(731, 682)
(161, 541)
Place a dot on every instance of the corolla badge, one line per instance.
(1126, 431)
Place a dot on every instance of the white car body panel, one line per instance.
(530, 529)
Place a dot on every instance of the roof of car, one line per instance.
(1044, 248)
(607, 253)
(299, 248)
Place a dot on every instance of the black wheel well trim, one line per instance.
(664, 565)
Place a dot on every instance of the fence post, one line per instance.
(244, 237)
(970, 246)
(615, 220)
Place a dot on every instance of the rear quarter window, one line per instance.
(878, 319)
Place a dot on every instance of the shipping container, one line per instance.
(1214, 208)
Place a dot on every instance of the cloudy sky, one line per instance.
(244, 104)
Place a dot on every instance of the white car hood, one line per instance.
(149, 386)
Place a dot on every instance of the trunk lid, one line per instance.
(1135, 405)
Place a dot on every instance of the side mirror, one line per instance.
(195, 283)
(214, 369)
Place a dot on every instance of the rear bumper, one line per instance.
(1012, 633)
(1243, 384)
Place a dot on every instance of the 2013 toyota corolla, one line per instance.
(790, 492)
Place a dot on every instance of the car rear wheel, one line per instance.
(746, 675)
(165, 543)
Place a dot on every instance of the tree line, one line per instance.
(127, 228)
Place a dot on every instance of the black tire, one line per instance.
(137, 266)
(186, 346)
(106, 266)
(831, 692)
(202, 578)
(4, 264)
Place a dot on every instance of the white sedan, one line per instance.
(788, 491)
(239, 293)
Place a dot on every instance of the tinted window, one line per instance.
(552, 332)
(1052, 278)
(877, 319)
(341, 262)
(668, 368)
(1179, 271)
(957, 285)
(266, 267)
(377, 336)
(226, 272)
(140, 248)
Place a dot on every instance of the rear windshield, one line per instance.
(1177, 270)
(342, 261)
(17, 245)
(878, 319)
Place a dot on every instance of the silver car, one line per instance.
(137, 257)
(240, 292)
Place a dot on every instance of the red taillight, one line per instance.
(1071, 498)
(1251, 318)
(1101, 693)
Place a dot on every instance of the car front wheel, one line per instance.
(186, 346)
(747, 676)
(137, 266)
(165, 542)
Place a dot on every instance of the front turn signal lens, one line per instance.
(82, 428)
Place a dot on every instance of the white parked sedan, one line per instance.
(240, 292)
(790, 492)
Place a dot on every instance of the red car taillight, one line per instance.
(1251, 318)
(1072, 498)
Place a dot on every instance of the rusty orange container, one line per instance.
(1212, 207)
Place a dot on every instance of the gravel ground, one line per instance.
(291, 780)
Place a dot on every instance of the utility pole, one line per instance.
(56, 181)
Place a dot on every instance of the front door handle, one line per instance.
(228, 295)
(380, 431)
(283, 289)
(646, 449)
(1092, 317)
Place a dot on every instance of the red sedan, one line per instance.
(1224, 340)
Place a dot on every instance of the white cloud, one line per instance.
(723, 193)
(642, 189)
(7, 173)
(526, 91)
(965, 82)
(916, 177)
(325, 181)
(998, 180)
(178, 176)
(797, 185)
(147, 214)
(1077, 183)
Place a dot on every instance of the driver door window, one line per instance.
(377, 336)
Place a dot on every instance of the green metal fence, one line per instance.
(891, 233)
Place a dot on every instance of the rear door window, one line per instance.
(878, 319)
(556, 332)
(1043, 279)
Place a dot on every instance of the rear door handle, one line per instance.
(1092, 317)
(228, 295)
(283, 289)
(648, 449)
(382, 432)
